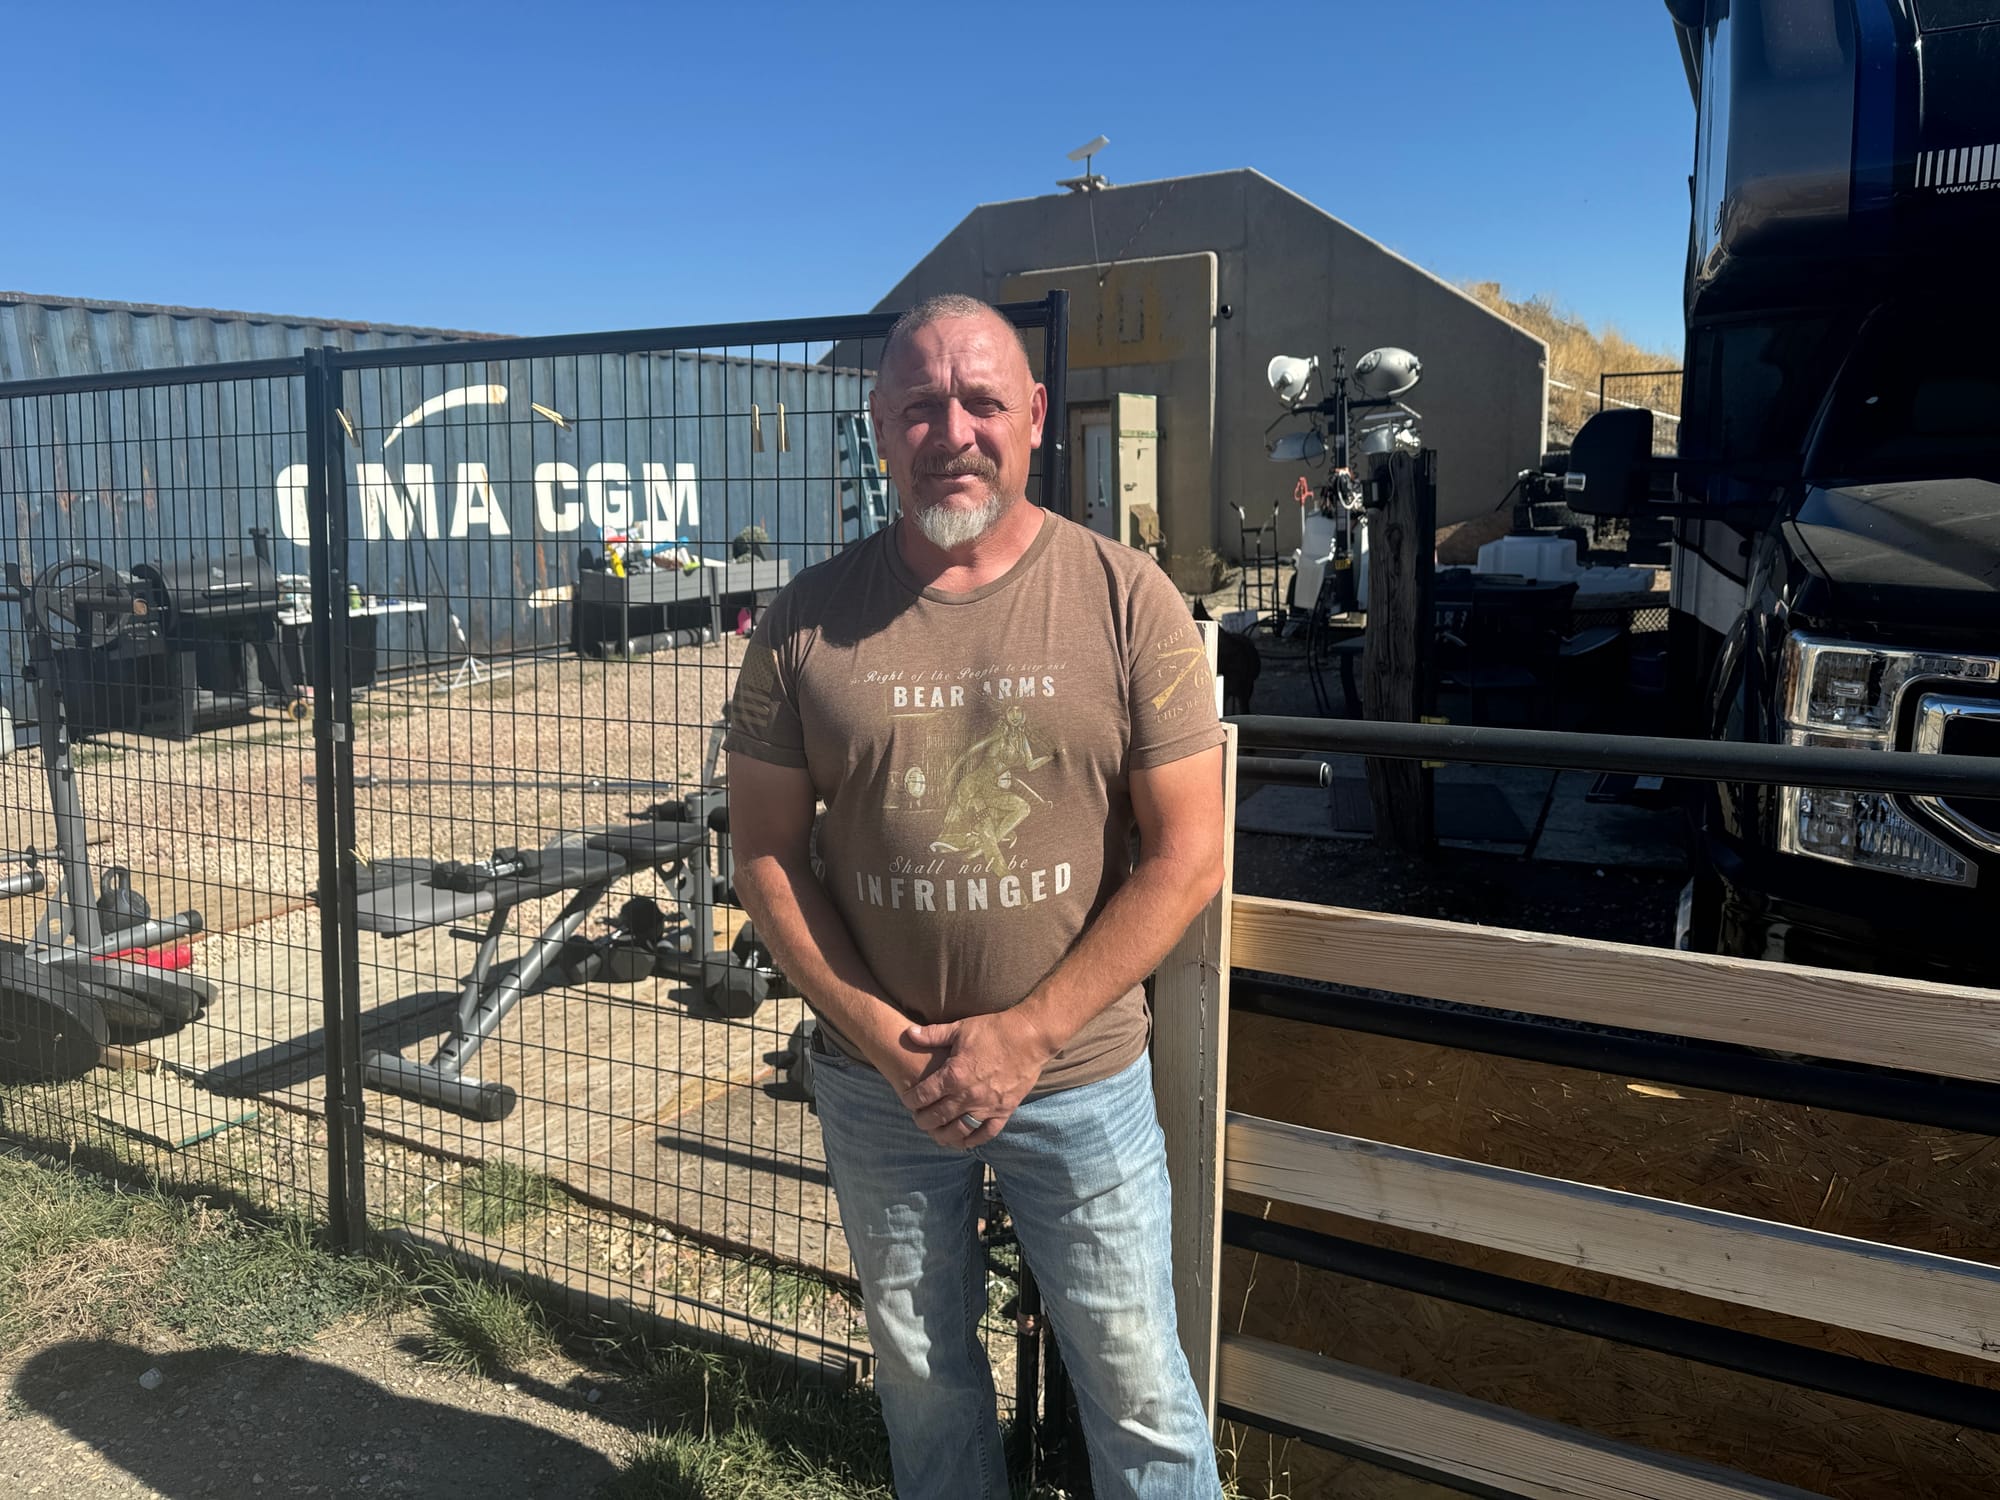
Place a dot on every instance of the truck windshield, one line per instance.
(1920, 399)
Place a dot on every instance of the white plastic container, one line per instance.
(1315, 555)
(1542, 559)
(1313, 558)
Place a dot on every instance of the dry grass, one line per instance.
(1580, 354)
(81, 1258)
(92, 1290)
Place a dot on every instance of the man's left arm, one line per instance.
(994, 1060)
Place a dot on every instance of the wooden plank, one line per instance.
(629, 1096)
(1923, 1298)
(1490, 1450)
(1402, 532)
(1947, 1029)
(669, 1317)
(172, 1113)
(224, 907)
(1190, 1069)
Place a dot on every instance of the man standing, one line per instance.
(988, 699)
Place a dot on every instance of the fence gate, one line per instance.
(156, 786)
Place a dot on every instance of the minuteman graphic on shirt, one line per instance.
(989, 790)
(967, 748)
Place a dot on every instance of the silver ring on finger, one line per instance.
(971, 1122)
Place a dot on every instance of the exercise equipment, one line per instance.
(199, 647)
(85, 971)
(798, 1062)
(683, 841)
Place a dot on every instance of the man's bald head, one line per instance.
(935, 310)
(958, 413)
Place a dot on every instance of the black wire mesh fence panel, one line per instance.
(1659, 391)
(451, 633)
(578, 1061)
(160, 995)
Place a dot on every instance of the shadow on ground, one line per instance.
(227, 1422)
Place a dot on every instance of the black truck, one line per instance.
(1836, 493)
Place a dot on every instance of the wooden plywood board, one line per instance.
(629, 1096)
(1914, 1187)
(223, 907)
(170, 1112)
(1952, 1030)
(1461, 1442)
(1935, 1300)
(620, 1301)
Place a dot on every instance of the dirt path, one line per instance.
(359, 1412)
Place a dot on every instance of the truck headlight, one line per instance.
(1844, 696)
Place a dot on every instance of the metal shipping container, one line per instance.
(474, 487)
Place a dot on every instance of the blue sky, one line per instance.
(564, 166)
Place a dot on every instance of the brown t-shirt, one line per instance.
(974, 754)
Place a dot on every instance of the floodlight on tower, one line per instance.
(1386, 373)
(1291, 377)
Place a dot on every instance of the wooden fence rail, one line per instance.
(1490, 1450)
(1829, 1278)
(1945, 1029)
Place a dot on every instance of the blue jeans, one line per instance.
(1084, 1175)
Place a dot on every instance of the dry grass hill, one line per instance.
(1579, 354)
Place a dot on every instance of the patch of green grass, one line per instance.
(249, 739)
(489, 1197)
(78, 1257)
(44, 1213)
(742, 1464)
(736, 1427)
(781, 1292)
(480, 1326)
(264, 1286)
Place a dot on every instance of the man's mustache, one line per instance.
(976, 464)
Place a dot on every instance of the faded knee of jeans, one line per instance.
(1138, 1361)
(907, 1355)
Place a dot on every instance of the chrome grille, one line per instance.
(1961, 724)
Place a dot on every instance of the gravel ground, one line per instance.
(360, 1412)
(234, 806)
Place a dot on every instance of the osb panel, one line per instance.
(1908, 1185)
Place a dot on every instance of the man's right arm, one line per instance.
(770, 835)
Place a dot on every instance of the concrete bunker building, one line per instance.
(1182, 290)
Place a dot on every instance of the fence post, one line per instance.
(1402, 532)
(1055, 429)
(333, 763)
(1190, 1079)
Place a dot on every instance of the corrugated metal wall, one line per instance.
(490, 501)
(474, 486)
(45, 337)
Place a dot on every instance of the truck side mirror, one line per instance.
(1611, 464)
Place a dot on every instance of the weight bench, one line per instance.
(672, 839)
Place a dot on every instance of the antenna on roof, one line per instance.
(1089, 182)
